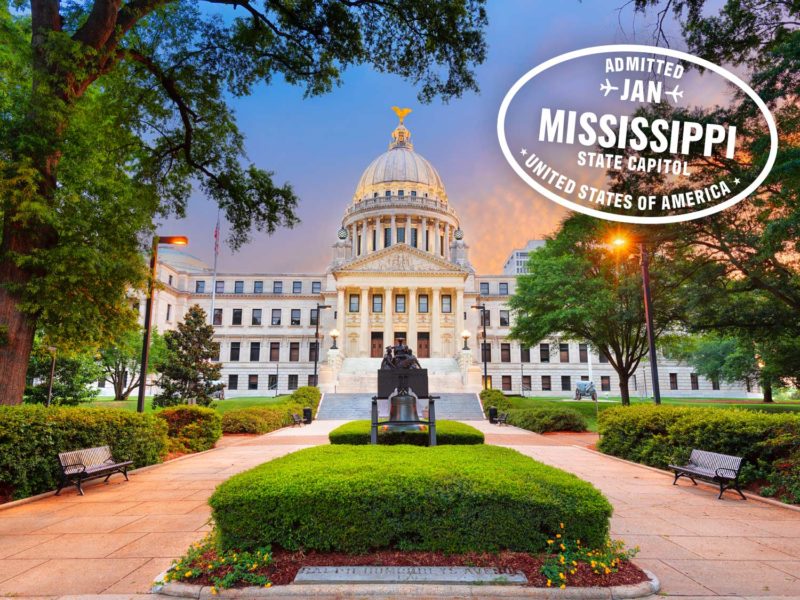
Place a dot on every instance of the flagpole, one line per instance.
(214, 277)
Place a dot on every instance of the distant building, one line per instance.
(517, 262)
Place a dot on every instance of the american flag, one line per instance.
(216, 238)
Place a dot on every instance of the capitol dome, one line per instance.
(400, 172)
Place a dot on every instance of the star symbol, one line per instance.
(524, 152)
(736, 181)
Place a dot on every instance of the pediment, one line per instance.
(401, 258)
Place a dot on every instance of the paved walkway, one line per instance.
(697, 545)
(118, 537)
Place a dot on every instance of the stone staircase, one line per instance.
(358, 375)
(354, 406)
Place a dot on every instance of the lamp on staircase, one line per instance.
(465, 334)
(334, 334)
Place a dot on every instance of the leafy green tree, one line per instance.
(188, 374)
(74, 377)
(110, 110)
(578, 288)
(122, 361)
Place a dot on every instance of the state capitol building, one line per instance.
(400, 271)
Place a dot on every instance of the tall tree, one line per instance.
(112, 109)
(188, 374)
(578, 288)
(75, 374)
(121, 361)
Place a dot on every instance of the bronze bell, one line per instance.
(403, 407)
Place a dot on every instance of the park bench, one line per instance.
(502, 419)
(297, 420)
(721, 469)
(78, 466)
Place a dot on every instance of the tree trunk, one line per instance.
(767, 386)
(19, 329)
(624, 388)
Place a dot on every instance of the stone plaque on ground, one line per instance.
(437, 575)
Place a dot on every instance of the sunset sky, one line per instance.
(322, 145)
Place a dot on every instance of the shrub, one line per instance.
(449, 498)
(258, 419)
(191, 428)
(542, 420)
(32, 436)
(306, 396)
(495, 398)
(447, 433)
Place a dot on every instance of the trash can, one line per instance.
(492, 415)
(307, 417)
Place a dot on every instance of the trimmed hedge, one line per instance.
(449, 498)
(447, 433)
(263, 419)
(191, 428)
(542, 420)
(31, 436)
(496, 398)
(660, 435)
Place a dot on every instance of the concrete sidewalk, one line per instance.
(697, 545)
(118, 537)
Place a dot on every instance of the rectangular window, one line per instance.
(169, 312)
(505, 352)
(219, 287)
(414, 237)
(294, 351)
(563, 352)
(255, 351)
(484, 288)
(354, 300)
(217, 316)
(694, 381)
(215, 348)
(292, 382)
(316, 287)
(487, 317)
(235, 346)
(233, 382)
(312, 351)
(169, 280)
(252, 382)
(504, 289)
(505, 320)
(374, 240)
(387, 237)
(199, 287)
(256, 318)
(236, 319)
(297, 287)
(486, 382)
(422, 302)
(605, 383)
(377, 303)
(272, 382)
(276, 316)
(544, 353)
(486, 348)
(238, 287)
(715, 384)
(546, 383)
(526, 383)
(295, 317)
(673, 381)
(566, 383)
(258, 287)
(506, 383)
(401, 236)
(274, 351)
(313, 316)
(400, 303)
(602, 358)
(525, 355)
(277, 287)
(583, 353)
(584, 378)
(101, 383)
(447, 303)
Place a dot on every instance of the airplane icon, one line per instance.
(676, 93)
(608, 88)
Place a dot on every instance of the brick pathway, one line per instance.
(118, 537)
(697, 545)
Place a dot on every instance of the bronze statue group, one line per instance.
(399, 357)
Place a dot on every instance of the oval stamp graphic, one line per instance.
(635, 134)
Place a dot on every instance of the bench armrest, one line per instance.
(71, 465)
(734, 471)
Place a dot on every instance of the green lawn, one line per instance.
(222, 405)
(587, 407)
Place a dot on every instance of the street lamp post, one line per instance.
(316, 341)
(648, 311)
(334, 334)
(482, 307)
(52, 350)
(178, 240)
(466, 335)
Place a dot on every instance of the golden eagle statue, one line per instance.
(401, 113)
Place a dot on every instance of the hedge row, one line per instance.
(191, 428)
(660, 435)
(496, 398)
(263, 419)
(31, 436)
(449, 499)
(544, 419)
(447, 433)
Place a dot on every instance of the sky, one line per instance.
(322, 145)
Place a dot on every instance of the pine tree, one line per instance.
(188, 375)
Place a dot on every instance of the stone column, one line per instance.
(340, 315)
(363, 313)
(379, 228)
(436, 238)
(393, 230)
(388, 326)
(447, 241)
(353, 240)
(362, 245)
(411, 311)
(408, 230)
(436, 330)
(459, 320)
(423, 231)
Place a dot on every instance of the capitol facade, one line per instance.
(400, 271)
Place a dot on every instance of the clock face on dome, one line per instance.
(342, 234)
(458, 234)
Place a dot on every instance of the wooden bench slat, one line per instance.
(81, 465)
